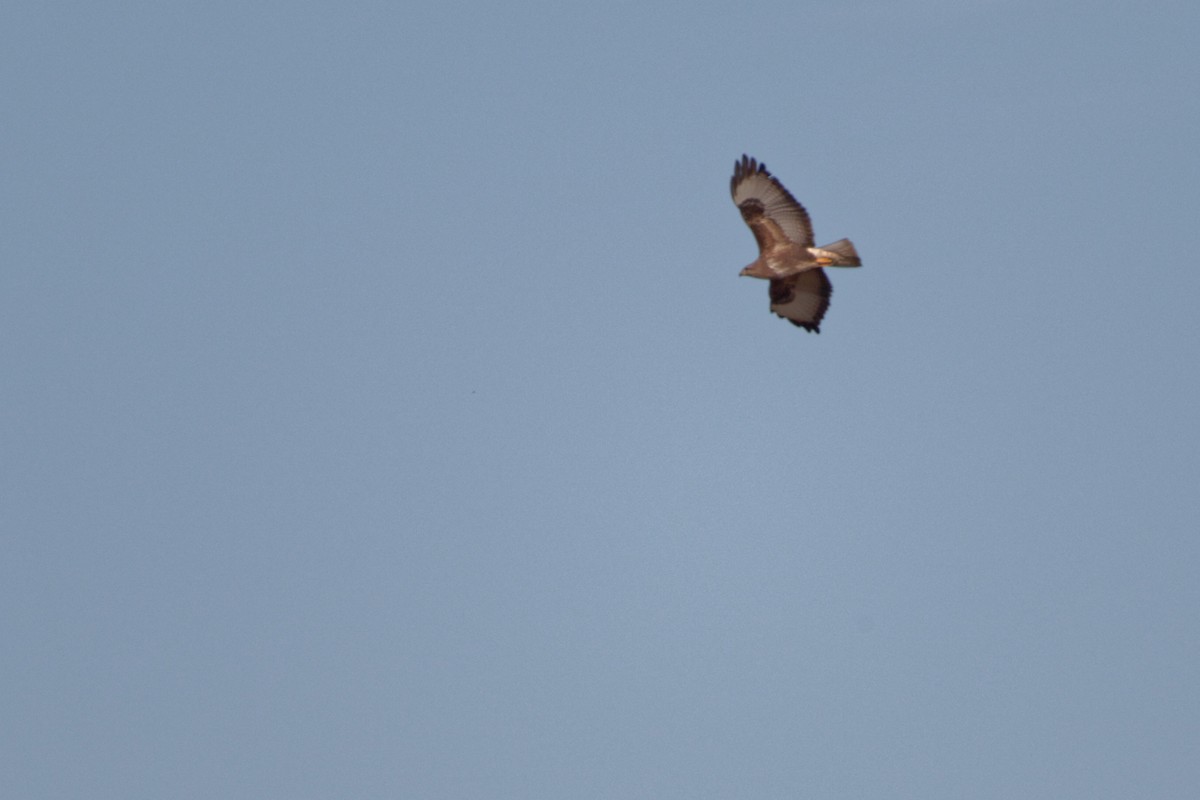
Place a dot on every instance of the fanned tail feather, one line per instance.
(841, 253)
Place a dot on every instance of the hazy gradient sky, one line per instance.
(383, 416)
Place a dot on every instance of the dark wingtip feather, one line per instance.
(744, 169)
(808, 327)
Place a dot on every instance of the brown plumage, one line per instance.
(799, 290)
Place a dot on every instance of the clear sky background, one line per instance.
(383, 415)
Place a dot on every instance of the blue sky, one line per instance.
(384, 415)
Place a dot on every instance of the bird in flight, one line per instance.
(800, 289)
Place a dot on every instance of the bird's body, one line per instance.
(787, 257)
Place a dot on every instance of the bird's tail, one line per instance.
(839, 254)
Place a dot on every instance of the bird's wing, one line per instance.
(803, 298)
(768, 208)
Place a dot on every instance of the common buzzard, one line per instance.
(800, 289)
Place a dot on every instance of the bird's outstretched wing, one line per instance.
(768, 208)
(803, 298)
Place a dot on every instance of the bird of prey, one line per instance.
(800, 289)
